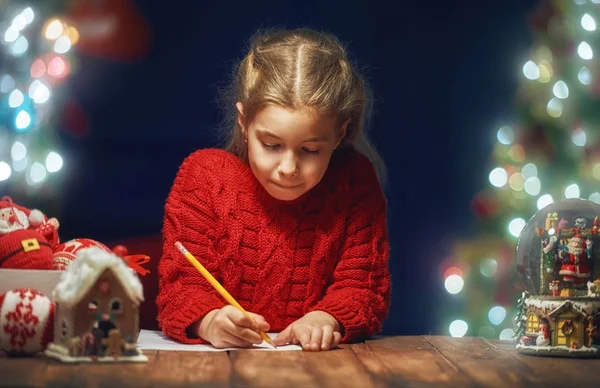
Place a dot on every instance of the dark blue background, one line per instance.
(444, 74)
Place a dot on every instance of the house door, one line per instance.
(106, 326)
(566, 332)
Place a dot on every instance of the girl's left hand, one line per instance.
(315, 331)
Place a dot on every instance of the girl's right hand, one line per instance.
(228, 327)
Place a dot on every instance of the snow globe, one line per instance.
(558, 261)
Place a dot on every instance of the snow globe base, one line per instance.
(558, 314)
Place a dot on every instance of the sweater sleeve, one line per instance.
(359, 293)
(184, 296)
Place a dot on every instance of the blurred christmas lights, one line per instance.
(27, 82)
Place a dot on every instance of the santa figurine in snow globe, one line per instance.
(27, 237)
(558, 313)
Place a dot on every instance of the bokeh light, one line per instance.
(454, 284)
(533, 186)
(458, 328)
(560, 90)
(572, 191)
(579, 137)
(585, 51)
(488, 267)
(496, 315)
(498, 177)
(54, 162)
(506, 135)
(531, 71)
(516, 226)
(5, 171)
(544, 201)
(506, 334)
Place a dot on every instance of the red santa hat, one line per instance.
(33, 216)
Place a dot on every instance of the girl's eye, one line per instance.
(311, 151)
(270, 147)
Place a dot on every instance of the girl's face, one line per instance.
(289, 150)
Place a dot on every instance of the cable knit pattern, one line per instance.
(327, 250)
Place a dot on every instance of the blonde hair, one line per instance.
(300, 68)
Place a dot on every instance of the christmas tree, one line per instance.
(35, 62)
(548, 151)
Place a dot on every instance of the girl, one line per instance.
(291, 218)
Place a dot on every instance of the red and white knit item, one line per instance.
(26, 321)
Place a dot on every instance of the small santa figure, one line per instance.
(543, 338)
(26, 237)
(575, 267)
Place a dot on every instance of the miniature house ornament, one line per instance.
(97, 310)
(558, 260)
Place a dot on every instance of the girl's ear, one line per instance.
(341, 133)
(240, 118)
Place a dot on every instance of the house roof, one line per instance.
(83, 272)
(567, 305)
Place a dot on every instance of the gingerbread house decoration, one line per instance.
(97, 310)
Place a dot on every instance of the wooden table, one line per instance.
(385, 362)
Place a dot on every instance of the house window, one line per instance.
(64, 329)
(93, 306)
(115, 305)
(532, 323)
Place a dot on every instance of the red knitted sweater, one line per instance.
(327, 250)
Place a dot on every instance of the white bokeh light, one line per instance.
(62, 44)
(531, 71)
(39, 92)
(18, 151)
(506, 135)
(54, 162)
(5, 171)
(15, 98)
(572, 191)
(588, 22)
(498, 177)
(585, 51)
(554, 107)
(496, 315)
(595, 197)
(506, 334)
(37, 173)
(533, 186)
(23, 120)
(11, 34)
(20, 46)
(560, 90)
(458, 328)
(529, 170)
(579, 137)
(584, 76)
(544, 201)
(454, 284)
(516, 226)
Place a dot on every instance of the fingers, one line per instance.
(327, 340)
(284, 337)
(244, 334)
(337, 337)
(228, 340)
(261, 322)
(238, 317)
(316, 338)
(303, 333)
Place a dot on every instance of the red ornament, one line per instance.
(66, 252)
(120, 251)
(26, 321)
(113, 29)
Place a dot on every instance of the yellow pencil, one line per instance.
(226, 295)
